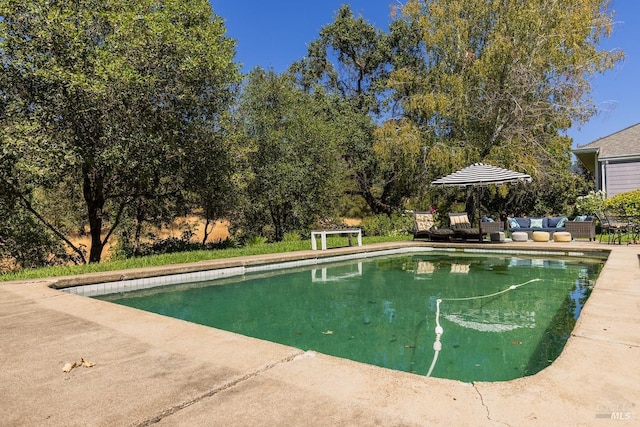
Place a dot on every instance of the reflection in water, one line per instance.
(425, 267)
(460, 268)
(337, 273)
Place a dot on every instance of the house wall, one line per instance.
(621, 177)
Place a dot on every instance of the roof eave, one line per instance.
(588, 158)
(622, 157)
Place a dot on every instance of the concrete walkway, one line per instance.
(151, 369)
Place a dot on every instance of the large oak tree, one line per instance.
(118, 95)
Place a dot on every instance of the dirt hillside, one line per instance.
(220, 232)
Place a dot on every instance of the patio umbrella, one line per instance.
(480, 175)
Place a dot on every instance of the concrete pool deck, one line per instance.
(152, 369)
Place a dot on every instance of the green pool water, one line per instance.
(501, 317)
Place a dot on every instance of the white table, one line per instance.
(323, 236)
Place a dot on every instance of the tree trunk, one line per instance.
(96, 241)
(207, 231)
(94, 199)
(377, 207)
(277, 220)
(140, 215)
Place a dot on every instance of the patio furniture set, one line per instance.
(615, 225)
(558, 229)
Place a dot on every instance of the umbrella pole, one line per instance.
(475, 202)
(478, 207)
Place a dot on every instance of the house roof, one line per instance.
(621, 145)
(624, 143)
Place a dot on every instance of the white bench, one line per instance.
(323, 236)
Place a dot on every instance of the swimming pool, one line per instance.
(459, 316)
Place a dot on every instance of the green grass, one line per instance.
(186, 257)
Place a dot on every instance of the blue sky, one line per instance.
(273, 34)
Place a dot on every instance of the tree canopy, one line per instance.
(497, 79)
(115, 95)
(351, 59)
(500, 82)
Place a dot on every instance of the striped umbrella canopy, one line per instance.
(479, 175)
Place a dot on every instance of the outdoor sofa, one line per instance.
(580, 227)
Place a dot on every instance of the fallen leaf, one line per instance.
(87, 364)
(328, 332)
(68, 367)
(83, 362)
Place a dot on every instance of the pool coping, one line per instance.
(149, 278)
(236, 380)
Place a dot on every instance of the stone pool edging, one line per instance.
(123, 281)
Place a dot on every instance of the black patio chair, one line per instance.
(617, 224)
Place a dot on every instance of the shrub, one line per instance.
(591, 203)
(123, 249)
(26, 243)
(292, 236)
(256, 241)
(385, 225)
(628, 202)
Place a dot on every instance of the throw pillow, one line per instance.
(553, 221)
(487, 219)
(513, 223)
(536, 222)
(562, 222)
(459, 219)
(581, 218)
(424, 222)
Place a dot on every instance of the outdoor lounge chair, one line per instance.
(461, 227)
(424, 228)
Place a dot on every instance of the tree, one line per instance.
(499, 81)
(114, 94)
(293, 174)
(210, 176)
(351, 59)
(397, 148)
